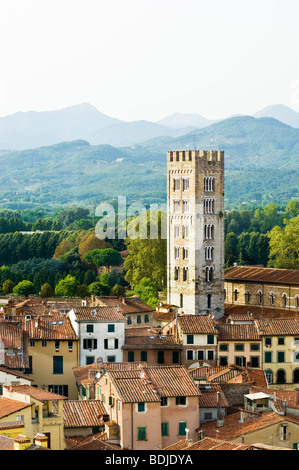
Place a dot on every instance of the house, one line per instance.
(212, 402)
(263, 287)
(11, 377)
(247, 427)
(101, 331)
(239, 344)
(53, 352)
(83, 417)
(198, 335)
(13, 345)
(150, 406)
(280, 351)
(87, 376)
(283, 401)
(135, 311)
(40, 411)
(151, 346)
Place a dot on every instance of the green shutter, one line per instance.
(141, 434)
(141, 406)
(164, 429)
(268, 356)
(182, 427)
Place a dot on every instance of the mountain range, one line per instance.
(261, 166)
(29, 130)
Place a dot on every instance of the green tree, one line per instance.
(97, 288)
(147, 292)
(118, 291)
(83, 291)
(24, 288)
(46, 291)
(106, 257)
(7, 287)
(284, 245)
(67, 287)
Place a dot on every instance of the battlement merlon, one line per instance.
(191, 155)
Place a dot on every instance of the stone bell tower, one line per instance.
(195, 231)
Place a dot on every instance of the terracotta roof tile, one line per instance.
(197, 324)
(208, 444)
(272, 327)
(9, 406)
(99, 314)
(237, 332)
(250, 313)
(127, 305)
(148, 337)
(6, 443)
(34, 392)
(83, 413)
(259, 274)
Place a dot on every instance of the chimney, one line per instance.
(21, 442)
(41, 440)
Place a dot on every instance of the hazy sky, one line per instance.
(146, 59)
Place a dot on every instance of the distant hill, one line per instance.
(261, 165)
(27, 130)
(281, 113)
(181, 121)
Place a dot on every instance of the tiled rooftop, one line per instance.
(235, 427)
(197, 324)
(259, 274)
(250, 313)
(126, 305)
(34, 392)
(83, 413)
(148, 337)
(9, 406)
(271, 327)
(237, 332)
(207, 444)
(99, 314)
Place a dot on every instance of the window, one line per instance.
(254, 347)
(186, 207)
(176, 206)
(138, 318)
(223, 347)
(186, 232)
(186, 184)
(141, 407)
(210, 339)
(269, 376)
(268, 356)
(176, 229)
(209, 273)
(160, 357)
(143, 356)
(210, 355)
(57, 364)
(239, 347)
(176, 252)
(180, 401)
(116, 343)
(255, 361)
(207, 416)
(141, 434)
(164, 429)
(182, 428)
(281, 376)
(268, 342)
(284, 300)
(44, 343)
(240, 361)
(236, 294)
(209, 232)
(32, 343)
(111, 328)
(57, 345)
(130, 356)
(185, 274)
(281, 341)
(209, 206)
(129, 319)
(189, 355)
(164, 401)
(89, 360)
(176, 273)
(200, 355)
(272, 298)
(260, 297)
(280, 356)
(59, 389)
(176, 184)
(209, 301)
(29, 370)
(70, 346)
(185, 253)
(89, 328)
(283, 432)
(90, 343)
(209, 251)
(190, 339)
(223, 360)
(247, 296)
(110, 358)
(209, 184)
(175, 357)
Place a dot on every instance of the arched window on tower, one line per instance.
(260, 297)
(209, 301)
(284, 299)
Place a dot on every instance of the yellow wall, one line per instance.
(42, 365)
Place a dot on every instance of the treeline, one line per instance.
(248, 232)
